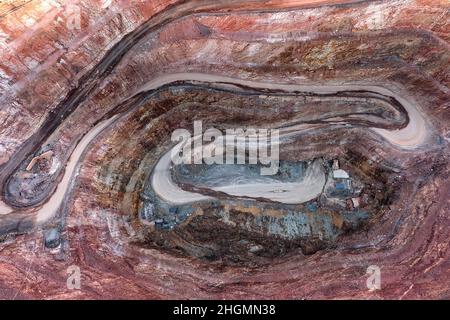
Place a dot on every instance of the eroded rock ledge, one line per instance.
(358, 90)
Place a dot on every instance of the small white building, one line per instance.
(340, 174)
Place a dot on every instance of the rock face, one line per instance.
(347, 100)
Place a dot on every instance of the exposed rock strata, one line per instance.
(136, 71)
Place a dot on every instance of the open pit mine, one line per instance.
(235, 149)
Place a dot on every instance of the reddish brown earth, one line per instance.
(59, 85)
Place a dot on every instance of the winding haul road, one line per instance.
(307, 189)
(411, 136)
